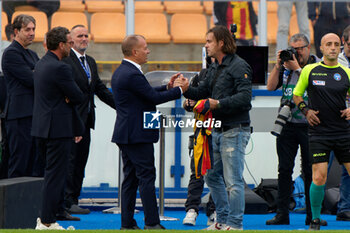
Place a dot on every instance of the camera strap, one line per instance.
(288, 81)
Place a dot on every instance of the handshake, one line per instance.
(178, 80)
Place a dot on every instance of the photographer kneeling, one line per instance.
(294, 132)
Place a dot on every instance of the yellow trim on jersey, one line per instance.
(303, 81)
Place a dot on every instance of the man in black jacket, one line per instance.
(86, 76)
(228, 87)
(18, 65)
(55, 121)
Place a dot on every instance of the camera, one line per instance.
(283, 116)
(233, 29)
(287, 54)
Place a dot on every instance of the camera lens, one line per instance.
(286, 55)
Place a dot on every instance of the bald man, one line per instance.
(327, 84)
(134, 97)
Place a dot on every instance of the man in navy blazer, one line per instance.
(55, 121)
(133, 96)
(18, 65)
(86, 76)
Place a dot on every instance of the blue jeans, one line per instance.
(225, 180)
(344, 189)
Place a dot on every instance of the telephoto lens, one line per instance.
(282, 117)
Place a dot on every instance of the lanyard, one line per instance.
(85, 68)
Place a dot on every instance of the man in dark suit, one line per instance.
(55, 121)
(18, 65)
(87, 78)
(133, 97)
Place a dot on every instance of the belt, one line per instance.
(225, 128)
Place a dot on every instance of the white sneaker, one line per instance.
(39, 225)
(211, 219)
(216, 227)
(229, 228)
(53, 226)
(56, 226)
(190, 218)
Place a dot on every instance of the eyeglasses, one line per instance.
(300, 48)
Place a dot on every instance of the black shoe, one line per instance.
(65, 216)
(75, 209)
(279, 219)
(155, 227)
(343, 216)
(315, 225)
(130, 228)
(322, 222)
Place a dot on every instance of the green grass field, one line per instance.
(168, 231)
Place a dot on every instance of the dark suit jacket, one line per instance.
(133, 95)
(96, 86)
(18, 66)
(53, 82)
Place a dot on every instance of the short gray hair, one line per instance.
(299, 36)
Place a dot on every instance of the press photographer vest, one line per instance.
(287, 89)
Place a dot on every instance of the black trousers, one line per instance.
(328, 25)
(4, 152)
(76, 169)
(139, 172)
(292, 136)
(194, 193)
(21, 147)
(56, 151)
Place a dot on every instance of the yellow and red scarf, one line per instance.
(203, 151)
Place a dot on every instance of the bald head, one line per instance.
(329, 37)
(135, 48)
(129, 43)
(330, 48)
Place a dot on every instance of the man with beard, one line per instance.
(55, 121)
(86, 76)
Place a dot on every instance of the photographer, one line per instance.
(295, 132)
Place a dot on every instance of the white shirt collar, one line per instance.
(134, 63)
(78, 54)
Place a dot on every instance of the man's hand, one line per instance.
(345, 113)
(172, 80)
(312, 118)
(182, 82)
(66, 99)
(189, 102)
(213, 103)
(77, 139)
(292, 64)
